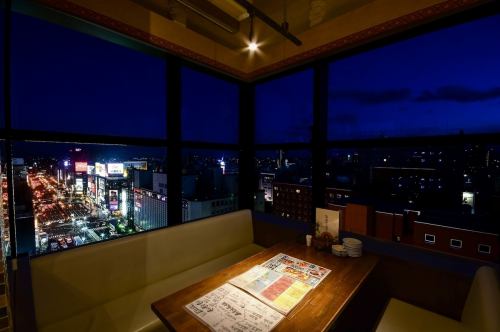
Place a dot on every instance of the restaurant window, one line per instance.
(283, 109)
(69, 195)
(210, 182)
(284, 183)
(210, 108)
(450, 88)
(67, 81)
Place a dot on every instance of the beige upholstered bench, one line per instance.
(109, 286)
(481, 312)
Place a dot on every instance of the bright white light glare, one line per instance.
(253, 46)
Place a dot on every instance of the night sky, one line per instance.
(209, 108)
(435, 84)
(66, 81)
(284, 110)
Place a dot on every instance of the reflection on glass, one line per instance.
(73, 194)
(284, 183)
(210, 182)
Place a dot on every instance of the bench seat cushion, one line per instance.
(132, 311)
(400, 316)
(69, 282)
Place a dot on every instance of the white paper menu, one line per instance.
(230, 309)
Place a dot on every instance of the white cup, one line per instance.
(308, 239)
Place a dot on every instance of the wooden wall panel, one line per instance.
(359, 219)
(469, 241)
(384, 225)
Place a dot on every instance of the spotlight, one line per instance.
(252, 46)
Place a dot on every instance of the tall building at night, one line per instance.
(192, 209)
(266, 184)
(150, 209)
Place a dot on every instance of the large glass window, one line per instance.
(210, 108)
(67, 81)
(283, 109)
(284, 114)
(210, 182)
(440, 83)
(73, 194)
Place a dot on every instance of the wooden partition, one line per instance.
(359, 219)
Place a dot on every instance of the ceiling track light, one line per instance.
(282, 29)
(252, 44)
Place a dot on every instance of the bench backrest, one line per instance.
(68, 282)
(482, 307)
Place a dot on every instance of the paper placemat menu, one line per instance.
(229, 309)
(298, 269)
(273, 288)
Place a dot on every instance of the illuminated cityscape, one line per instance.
(443, 183)
(75, 200)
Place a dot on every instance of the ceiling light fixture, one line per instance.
(252, 10)
(252, 45)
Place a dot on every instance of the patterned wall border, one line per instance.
(126, 29)
(357, 38)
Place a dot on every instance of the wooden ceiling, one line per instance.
(227, 23)
(215, 33)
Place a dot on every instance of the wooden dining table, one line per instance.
(316, 312)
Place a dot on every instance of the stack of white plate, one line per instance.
(354, 247)
(339, 250)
